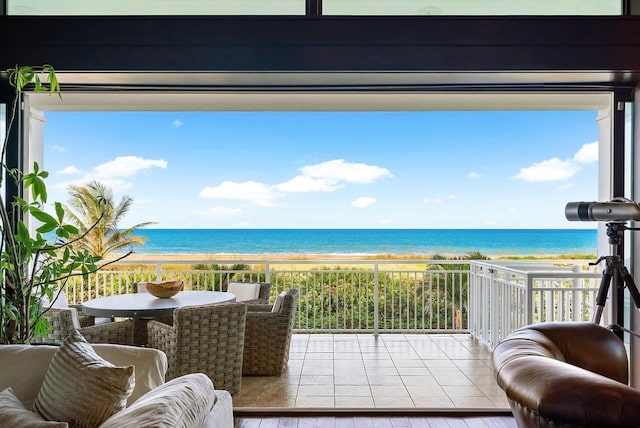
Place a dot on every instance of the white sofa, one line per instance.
(23, 368)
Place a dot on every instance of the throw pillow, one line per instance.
(277, 305)
(82, 388)
(183, 402)
(14, 414)
(244, 290)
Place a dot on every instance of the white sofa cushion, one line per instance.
(14, 414)
(150, 365)
(182, 402)
(82, 388)
(244, 290)
(24, 367)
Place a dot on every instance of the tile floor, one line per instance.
(392, 371)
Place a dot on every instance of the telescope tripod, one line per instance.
(614, 271)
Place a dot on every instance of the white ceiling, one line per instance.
(330, 7)
(319, 101)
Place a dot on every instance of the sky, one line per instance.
(432, 170)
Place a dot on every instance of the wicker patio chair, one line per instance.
(204, 339)
(263, 293)
(62, 302)
(268, 337)
(65, 320)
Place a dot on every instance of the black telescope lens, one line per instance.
(583, 211)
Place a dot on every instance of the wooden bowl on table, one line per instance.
(164, 289)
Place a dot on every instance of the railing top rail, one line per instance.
(293, 262)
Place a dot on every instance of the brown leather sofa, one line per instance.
(567, 375)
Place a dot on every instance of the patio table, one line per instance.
(142, 305)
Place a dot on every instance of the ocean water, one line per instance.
(368, 241)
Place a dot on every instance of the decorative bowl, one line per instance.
(164, 289)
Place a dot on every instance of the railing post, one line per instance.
(158, 271)
(528, 300)
(267, 272)
(472, 326)
(493, 309)
(376, 295)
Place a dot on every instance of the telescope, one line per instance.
(616, 210)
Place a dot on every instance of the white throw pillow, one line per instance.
(14, 414)
(182, 402)
(277, 305)
(82, 388)
(244, 290)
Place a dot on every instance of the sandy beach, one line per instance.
(210, 258)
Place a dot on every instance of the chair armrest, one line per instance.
(257, 302)
(120, 333)
(258, 308)
(161, 336)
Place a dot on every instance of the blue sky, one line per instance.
(331, 169)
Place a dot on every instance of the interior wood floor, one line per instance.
(376, 422)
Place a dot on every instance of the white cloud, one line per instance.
(490, 223)
(363, 202)
(59, 149)
(69, 170)
(113, 172)
(301, 183)
(350, 172)
(177, 123)
(218, 211)
(258, 193)
(452, 196)
(555, 169)
(588, 153)
(473, 174)
(512, 210)
(126, 166)
(548, 170)
(384, 221)
(432, 201)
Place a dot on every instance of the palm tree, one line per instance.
(93, 211)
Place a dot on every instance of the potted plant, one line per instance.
(31, 266)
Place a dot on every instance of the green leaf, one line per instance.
(59, 211)
(43, 216)
(45, 228)
(71, 229)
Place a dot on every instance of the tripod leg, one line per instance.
(631, 285)
(601, 297)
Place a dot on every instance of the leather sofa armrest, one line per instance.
(589, 346)
(541, 387)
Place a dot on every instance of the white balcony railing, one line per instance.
(486, 299)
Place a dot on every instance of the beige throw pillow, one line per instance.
(80, 387)
(14, 414)
(183, 402)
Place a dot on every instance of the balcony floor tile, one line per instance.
(391, 371)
